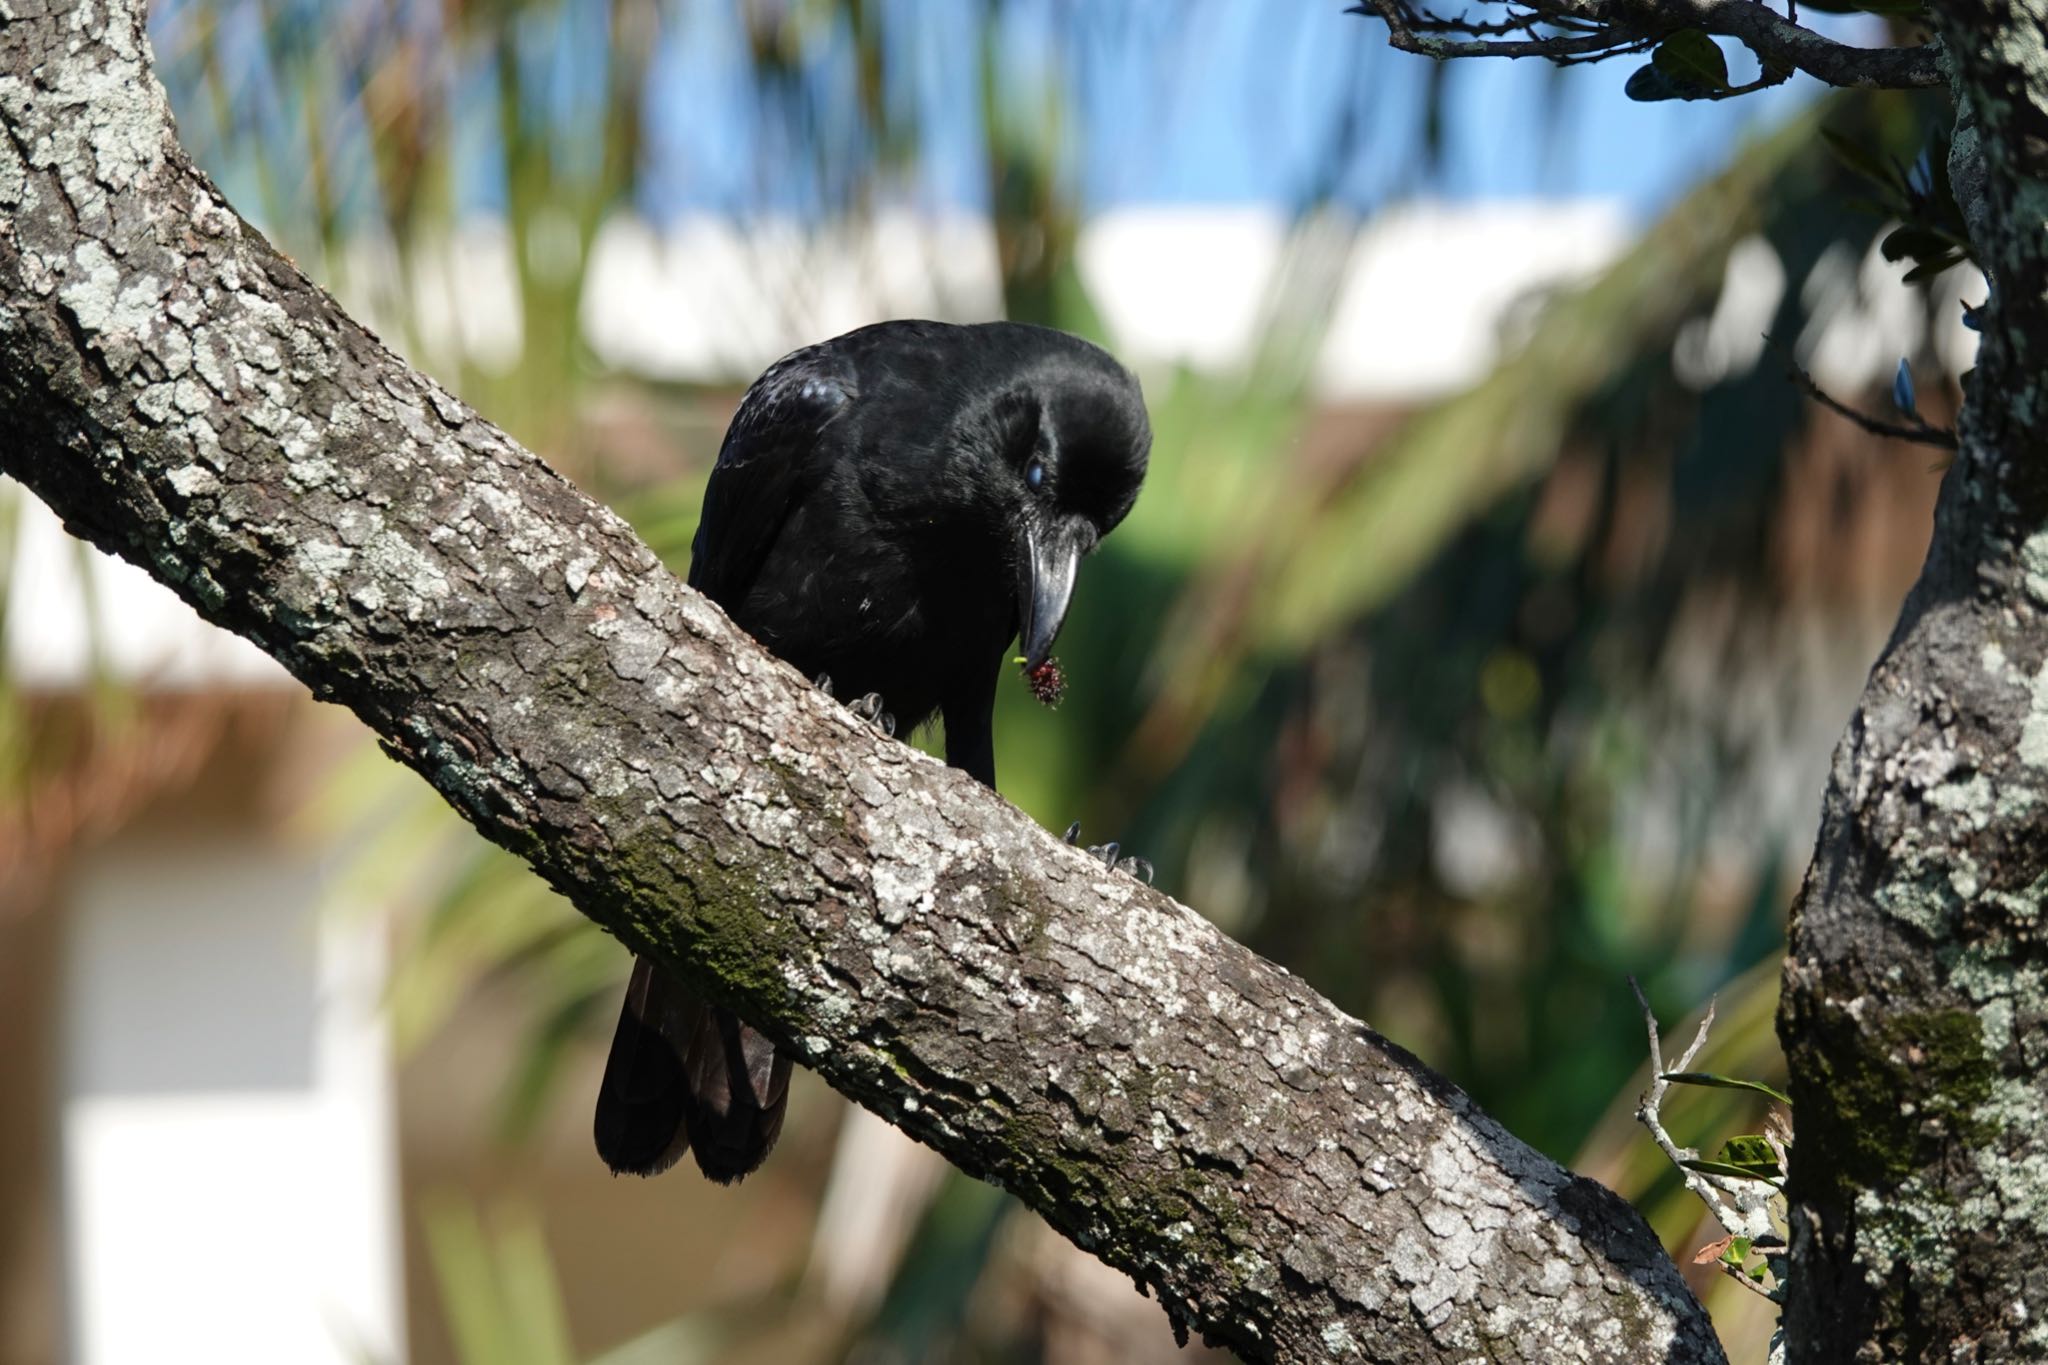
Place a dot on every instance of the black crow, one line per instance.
(890, 508)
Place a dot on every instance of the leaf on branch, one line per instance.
(1690, 57)
(1731, 1171)
(1915, 242)
(1749, 1150)
(1708, 1078)
(1648, 85)
(1686, 66)
(1711, 1252)
(1748, 1157)
(1928, 269)
(1903, 397)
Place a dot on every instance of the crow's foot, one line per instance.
(1112, 855)
(869, 709)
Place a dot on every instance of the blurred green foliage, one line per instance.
(1314, 688)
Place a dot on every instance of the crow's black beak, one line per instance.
(1052, 554)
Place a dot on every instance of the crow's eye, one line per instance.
(1034, 473)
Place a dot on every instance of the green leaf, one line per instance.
(1916, 242)
(1733, 1172)
(1708, 1078)
(1690, 58)
(1749, 1150)
(1648, 85)
(1927, 270)
(1739, 1248)
(1748, 1157)
(1862, 161)
(1902, 389)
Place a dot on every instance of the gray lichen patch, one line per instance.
(2033, 747)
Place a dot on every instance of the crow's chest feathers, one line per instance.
(822, 591)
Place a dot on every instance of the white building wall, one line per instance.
(229, 1172)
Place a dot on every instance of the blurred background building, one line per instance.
(1478, 642)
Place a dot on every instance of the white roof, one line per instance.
(1419, 293)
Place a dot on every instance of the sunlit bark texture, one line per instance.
(1283, 1179)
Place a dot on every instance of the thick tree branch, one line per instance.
(1594, 29)
(1284, 1179)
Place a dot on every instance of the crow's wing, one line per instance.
(770, 455)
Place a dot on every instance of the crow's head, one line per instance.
(1060, 466)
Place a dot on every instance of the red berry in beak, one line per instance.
(1047, 682)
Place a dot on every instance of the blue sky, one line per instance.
(1220, 101)
(1168, 101)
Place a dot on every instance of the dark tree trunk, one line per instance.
(1917, 986)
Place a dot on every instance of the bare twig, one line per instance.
(1741, 1207)
(1920, 431)
(1917, 429)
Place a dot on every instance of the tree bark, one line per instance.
(1916, 988)
(1285, 1180)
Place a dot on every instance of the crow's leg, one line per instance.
(1113, 856)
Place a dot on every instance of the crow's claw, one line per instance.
(1112, 855)
(869, 709)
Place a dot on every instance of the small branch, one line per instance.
(1741, 1207)
(1408, 31)
(1642, 46)
(1917, 430)
(1597, 29)
(1770, 76)
(1706, 1187)
(1519, 23)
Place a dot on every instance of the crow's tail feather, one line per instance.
(683, 1075)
